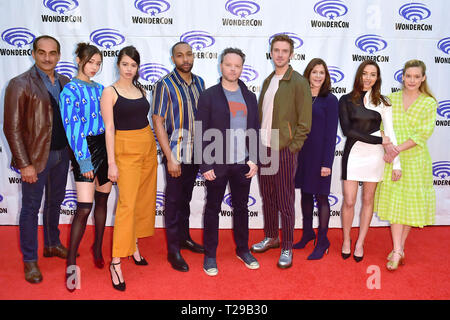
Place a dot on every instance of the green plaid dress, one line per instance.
(411, 200)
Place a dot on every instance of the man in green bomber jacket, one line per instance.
(285, 108)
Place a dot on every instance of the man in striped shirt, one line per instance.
(174, 108)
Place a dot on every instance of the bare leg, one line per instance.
(406, 230)
(366, 216)
(397, 231)
(348, 212)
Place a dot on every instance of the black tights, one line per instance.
(79, 226)
(307, 204)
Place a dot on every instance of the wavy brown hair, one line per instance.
(358, 85)
(326, 85)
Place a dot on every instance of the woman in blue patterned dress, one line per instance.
(85, 131)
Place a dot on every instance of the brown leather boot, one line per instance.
(58, 251)
(32, 272)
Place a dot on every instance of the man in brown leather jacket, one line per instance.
(36, 137)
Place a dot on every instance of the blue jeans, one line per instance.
(53, 178)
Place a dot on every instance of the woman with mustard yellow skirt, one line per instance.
(132, 162)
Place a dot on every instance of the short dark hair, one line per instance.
(35, 42)
(326, 85)
(176, 44)
(232, 50)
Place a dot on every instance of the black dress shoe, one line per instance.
(191, 245)
(177, 262)
(32, 272)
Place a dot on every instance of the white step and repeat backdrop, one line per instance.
(342, 32)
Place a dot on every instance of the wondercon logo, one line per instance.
(70, 199)
(160, 199)
(414, 11)
(18, 37)
(332, 200)
(198, 39)
(336, 75)
(370, 43)
(298, 42)
(398, 75)
(1, 198)
(66, 68)
(443, 45)
(107, 38)
(441, 169)
(228, 202)
(444, 109)
(152, 7)
(330, 9)
(248, 73)
(152, 72)
(242, 8)
(61, 6)
(338, 139)
(14, 169)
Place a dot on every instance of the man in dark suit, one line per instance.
(230, 112)
(36, 137)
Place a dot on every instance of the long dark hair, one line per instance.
(358, 85)
(85, 52)
(326, 85)
(132, 52)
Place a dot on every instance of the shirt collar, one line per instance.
(180, 80)
(45, 76)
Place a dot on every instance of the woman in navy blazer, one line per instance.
(315, 160)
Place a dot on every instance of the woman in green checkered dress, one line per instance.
(406, 198)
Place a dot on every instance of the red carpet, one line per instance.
(425, 275)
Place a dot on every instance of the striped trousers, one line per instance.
(278, 195)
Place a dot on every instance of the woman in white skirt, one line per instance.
(361, 113)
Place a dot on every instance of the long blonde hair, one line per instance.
(424, 85)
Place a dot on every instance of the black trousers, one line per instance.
(240, 188)
(177, 207)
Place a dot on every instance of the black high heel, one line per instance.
(121, 286)
(358, 258)
(347, 255)
(141, 262)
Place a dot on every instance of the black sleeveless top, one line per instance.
(130, 114)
